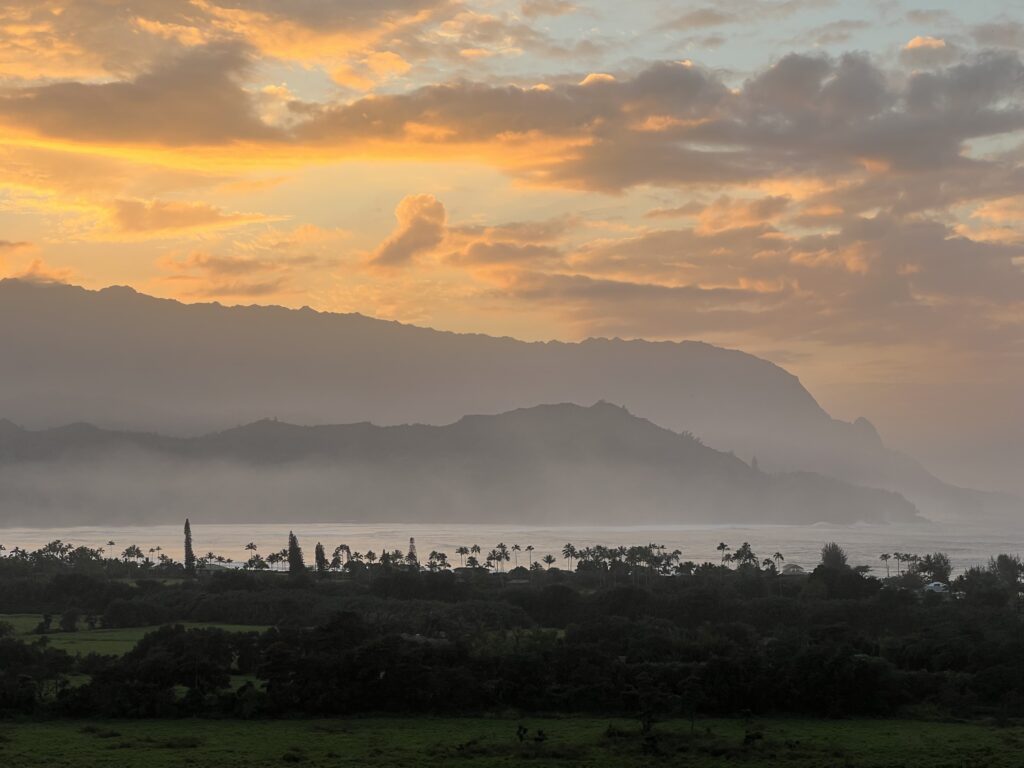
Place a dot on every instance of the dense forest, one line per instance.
(633, 631)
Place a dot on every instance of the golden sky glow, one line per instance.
(838, 186)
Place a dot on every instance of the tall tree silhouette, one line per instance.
(723, 548)
(833, 556)
(190, 555)
(296, 565)
(320, 558)
(569, 553)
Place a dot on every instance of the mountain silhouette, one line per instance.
(553, 464)
(121, 359)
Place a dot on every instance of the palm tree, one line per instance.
(529, 553)
(462, 552)
(516, 549)
(475, 549)
(898, 557)
(256, 563)
(569, 553)
(549, 560)
(885, 559)
(778, 558)
(745, 555)
(503, 556)
(251, 547)
(723, 548)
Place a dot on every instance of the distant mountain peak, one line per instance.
(865, 428)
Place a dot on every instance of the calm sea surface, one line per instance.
(966, 545)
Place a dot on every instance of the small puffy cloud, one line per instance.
(835, 31)
(930, 16)
(13, 246)
(924, 51)
(691, 208)
(374, 68)
(505, 253)
(597, 77)
(271, 262)
(141, 217)
(38, 271)
(728, 213)
(201, 274)
(543, 231)
(420, 229)
(703, 17)
(532, 9)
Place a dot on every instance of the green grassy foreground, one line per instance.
(493, 742)
(110, 642)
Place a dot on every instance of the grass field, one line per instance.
(112, 642)
(476, 743)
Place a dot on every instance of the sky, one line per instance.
(836, 186)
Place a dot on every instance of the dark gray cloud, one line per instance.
(192, 98)
(673, 124)
(1006, 33)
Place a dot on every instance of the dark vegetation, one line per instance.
(634, 632)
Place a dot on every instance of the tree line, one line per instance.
(722, 639)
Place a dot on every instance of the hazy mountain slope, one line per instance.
(549, 464)
(121, 359)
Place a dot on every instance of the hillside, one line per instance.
(554, 465)
(120, 359)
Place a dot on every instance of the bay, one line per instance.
(966, 545)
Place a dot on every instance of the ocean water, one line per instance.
(966, 545)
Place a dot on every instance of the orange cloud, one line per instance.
(420, 229)
(38, 271)
(925, 42)
(146, 217)
(727, 213)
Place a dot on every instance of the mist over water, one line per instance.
(966, 545)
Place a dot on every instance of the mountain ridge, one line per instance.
(122, 359)
(548, 464)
